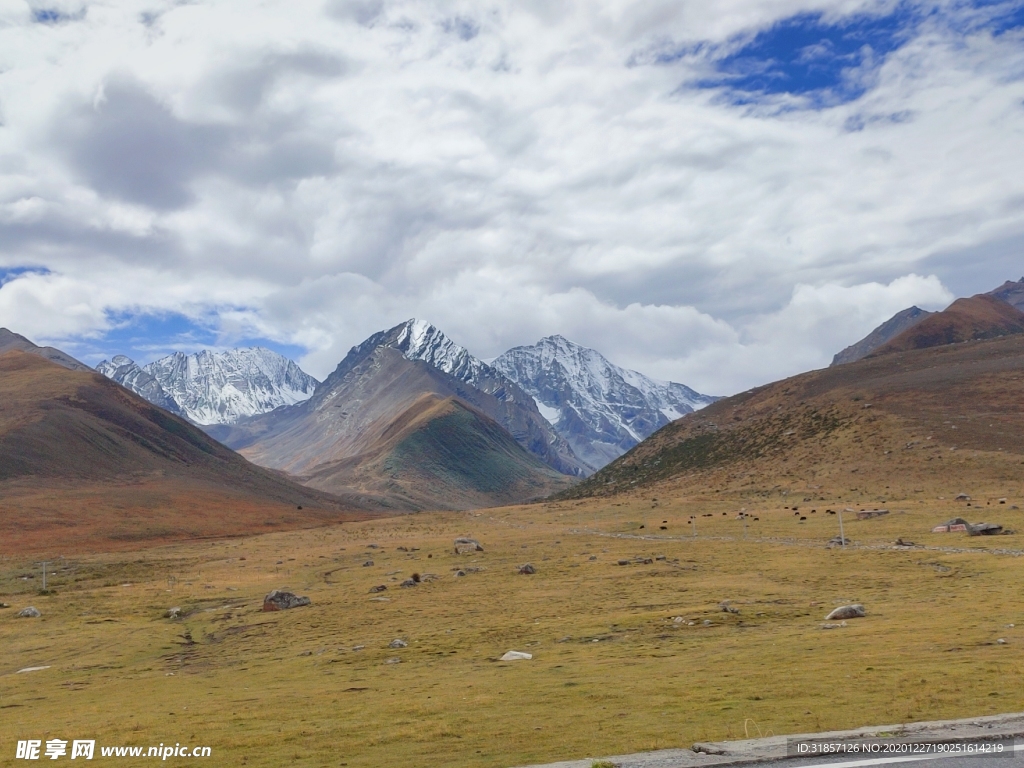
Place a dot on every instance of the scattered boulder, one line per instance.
(516, 656)
(855, 611)
(526, 569)
(903, 543)
(408, 583)
(961, 497)
(368, 563)
(623, 562)
(838, 541)
(173, 613)
(460, 572)
(29, 613)
(726, 608)
(833, 626)
(957, 524)
(379, 588)
(393, 660)
(464, 545)
(282, 601)
(4, 605)
(398, 643)
(984, 529)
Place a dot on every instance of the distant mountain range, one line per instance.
(564, 403)
(215, 387)
(602, 410)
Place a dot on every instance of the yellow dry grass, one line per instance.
(613, 671)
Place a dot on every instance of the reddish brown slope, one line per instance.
(86, 464)
(979, 317)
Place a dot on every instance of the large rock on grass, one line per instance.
(282, 601)
(855, 611)
(465, 545)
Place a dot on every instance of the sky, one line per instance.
(721, 194)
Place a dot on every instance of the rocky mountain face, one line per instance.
(518, 412)
(211, 388)
(125, 372)
(882, 335)
(602, 410)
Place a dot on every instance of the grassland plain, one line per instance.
(613, 670)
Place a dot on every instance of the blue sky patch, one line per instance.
(805, 55)
(12, 273)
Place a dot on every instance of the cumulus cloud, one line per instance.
(306, 174)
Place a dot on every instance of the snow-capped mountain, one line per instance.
(129, 375)
(601, 409)
(419, 340)
(215, 387)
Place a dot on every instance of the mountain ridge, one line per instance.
(211, 388)
(600, 408)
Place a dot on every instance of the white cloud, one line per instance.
(312, 173)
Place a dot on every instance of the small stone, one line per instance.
(526, 569)
(516, 656)
(368, 563)
(398, 643)
(173, 613)
(707, 622)
(1001, 641)
(855, 611)
(460, 573)
(379, 588)
(29, 613)
(393, 660)
(408, 583)
(623, 562)
(565, 639)
(358, 647)
(592, 557)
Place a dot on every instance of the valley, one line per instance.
(622, 657)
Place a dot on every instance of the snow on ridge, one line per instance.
(602, 409)
(216, 387)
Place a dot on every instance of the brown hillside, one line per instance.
(85, 463)
(938, 420)
(345, 435)
(441, 454)
(979, 317)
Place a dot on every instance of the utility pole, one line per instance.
(842, 537)
(44, 564)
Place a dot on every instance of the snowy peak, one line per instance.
(517, 412)
(601, 409)
(419, 340)
(215, 387)
(125, 372)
